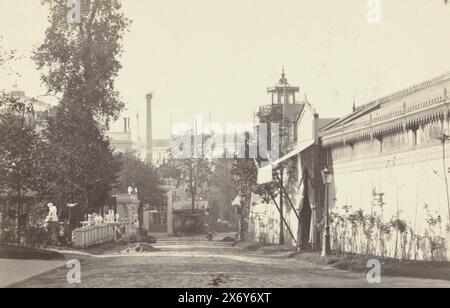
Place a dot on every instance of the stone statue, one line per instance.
(98, 219)
(130, 190)
(52, 213)
(117, 217)
(90, 220)
(111, 216)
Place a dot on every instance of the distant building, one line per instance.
(126, 136)
(389, 159)
(160, 151)
(37, 118)
(122, 140)
(173, 214)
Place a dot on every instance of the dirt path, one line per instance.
(196, 263)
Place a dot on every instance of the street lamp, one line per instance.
(242, 201)
(327, 178)
(70, 206)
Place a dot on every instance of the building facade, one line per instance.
(390, 163)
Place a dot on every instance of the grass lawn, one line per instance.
(357, 263)
(389, 267)
(10, 251)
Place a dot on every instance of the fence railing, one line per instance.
(94, 235)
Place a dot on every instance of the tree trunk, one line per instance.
(244, 217)
(141, 217)
(193, 195)
(243, 224)
(281, 240)
(19, 214)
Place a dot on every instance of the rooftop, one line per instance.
(406, 108)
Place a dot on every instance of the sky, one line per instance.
(218, 56)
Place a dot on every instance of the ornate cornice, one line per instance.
(395, 121)
(408, 91)
(391, 115)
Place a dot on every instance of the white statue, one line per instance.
(98, 219)
(117, 217)
(106, 218)
(52, 213)
(130, 190)
(111, 216)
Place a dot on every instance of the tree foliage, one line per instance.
(15, 104)
(194, 173)
(81, 61)
(222, 191)
(245, 174)
(144, 177)
(138, 174)
(78, 163)
(19, 145)
(7, 57)
(19, 167)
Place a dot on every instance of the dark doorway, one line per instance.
(305, 216)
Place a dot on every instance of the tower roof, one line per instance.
(283, 85)
(283, 80)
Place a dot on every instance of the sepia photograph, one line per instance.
(224, 151)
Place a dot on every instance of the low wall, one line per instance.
(94, 235)
(393, 205)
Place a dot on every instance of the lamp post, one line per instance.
(241, 216)
(70, 206)
(327, 178)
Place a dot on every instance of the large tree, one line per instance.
(79, 165)
(19, 145)
(222, 191)
(244, 174)
(193, 168)
(19, 152)
(81, 61)
(194, 173)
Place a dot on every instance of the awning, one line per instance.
(237, 201)
(298, 149)
(265, 173)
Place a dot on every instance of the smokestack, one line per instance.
(149, 97)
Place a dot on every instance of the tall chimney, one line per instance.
(149, 134)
